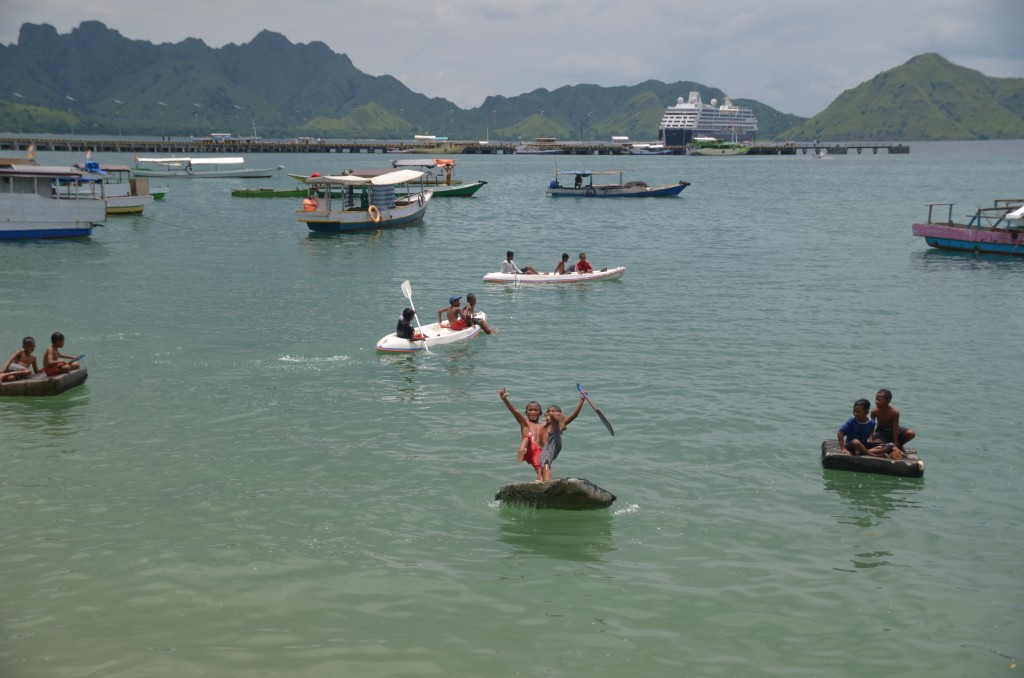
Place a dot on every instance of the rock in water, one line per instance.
(569, 494)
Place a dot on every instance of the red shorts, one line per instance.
(459, 324)
(532, 454)
(53, 370)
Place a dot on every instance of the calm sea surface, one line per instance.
(243, 487)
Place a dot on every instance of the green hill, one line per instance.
(927, 98)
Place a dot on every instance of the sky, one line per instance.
(796, 56)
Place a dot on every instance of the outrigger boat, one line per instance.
(596, 274)
(992, 230)
(442, 183)
(588, 189)
(349, 202)
(213, 168)
(436, 334)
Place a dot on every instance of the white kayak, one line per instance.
(436, 333)
(596, 274)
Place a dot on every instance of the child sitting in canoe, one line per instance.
(56, 363)
(405, 330)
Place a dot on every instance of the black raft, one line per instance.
(569, 494)
(909, 466)
(42, 385)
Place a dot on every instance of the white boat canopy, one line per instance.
(1016, 214)
(388, 179)
(195, 161)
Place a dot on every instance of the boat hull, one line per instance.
(339, 221)
(460, 191)
(910, 466)
(31, 216)
(719, 150)
(618, 191)
(437, 334)
(270, 192)
(553, 278)
(127, 204)
(980, 240)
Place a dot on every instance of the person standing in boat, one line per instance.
(469, 315)
(888, 429)
(509, 265)
(583, 266)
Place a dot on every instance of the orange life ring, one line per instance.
(310, 204)
(374, 214)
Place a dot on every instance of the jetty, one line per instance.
(195, 145)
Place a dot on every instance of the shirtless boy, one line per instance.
(55, 362)
(888, 418)
(541, 439)
(454, 313)
(560, 268)
(469, 311)
(22, 364)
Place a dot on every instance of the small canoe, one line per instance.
(909, 466)
(437, 334)
(459, 191)
(42, 385)
(567, 494)
(597, 274)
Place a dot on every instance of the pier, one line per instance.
(193, 146)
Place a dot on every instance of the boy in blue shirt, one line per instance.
(856, 435)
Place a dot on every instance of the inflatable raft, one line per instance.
(436, 334)
(42, 385)
(568, 494)
(909, 466)
(596, 274)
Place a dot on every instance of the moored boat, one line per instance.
(550, 278)
(991, 230)
(441, 181)
(910, 465)
(196, 168)
(713, 146)
(649, 149)
(437, 334)
(350, 202)
(38, 201)
(122, 193)
(584, 186)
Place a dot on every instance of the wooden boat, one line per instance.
(437, 334)
(441, 181)
(348, 202)
(650, 149)
(298, 192)
(992, 230)
(122, 193)
(548, 278)
(713, 146)
(584, 186)
(42, 385)
(909, 466)
(47, 202)
(568, 494)
(196, 168)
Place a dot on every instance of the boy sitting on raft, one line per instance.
(56, 363)
(22, 364)
(856, 436)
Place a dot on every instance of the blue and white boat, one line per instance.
(350, 202)
(37, 201)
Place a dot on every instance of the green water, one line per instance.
(243, 487)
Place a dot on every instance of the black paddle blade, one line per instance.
(604, 420)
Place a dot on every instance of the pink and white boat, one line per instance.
(991, 230)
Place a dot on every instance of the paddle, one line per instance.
(407, 291)
(600, 414)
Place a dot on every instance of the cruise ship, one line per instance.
(691, 117)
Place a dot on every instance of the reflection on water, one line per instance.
(54, 417)
(870, 497)
(945, 260)
(582, 536)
